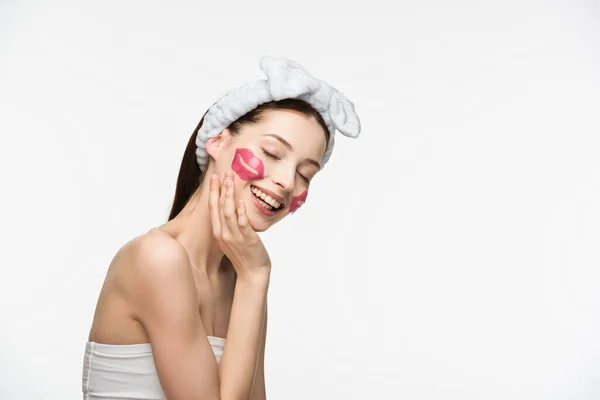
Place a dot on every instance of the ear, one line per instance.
(215, 144)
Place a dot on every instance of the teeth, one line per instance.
(267, 199)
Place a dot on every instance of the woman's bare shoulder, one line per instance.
(153, 258)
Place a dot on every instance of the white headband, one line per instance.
(285, 79)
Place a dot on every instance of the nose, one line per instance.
(285, 177)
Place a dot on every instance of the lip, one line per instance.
(270, 194)
(263, 210)
(245, 157)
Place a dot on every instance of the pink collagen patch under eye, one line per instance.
(297, 201)
(247, 166)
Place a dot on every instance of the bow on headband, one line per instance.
(285, 79)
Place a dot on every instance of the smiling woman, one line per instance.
(182, 313)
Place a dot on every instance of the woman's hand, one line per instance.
(240, 243)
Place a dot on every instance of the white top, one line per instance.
(126, 371)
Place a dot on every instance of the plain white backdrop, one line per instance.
(451, 252)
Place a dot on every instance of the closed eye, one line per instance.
(271, 155)
(304, 178)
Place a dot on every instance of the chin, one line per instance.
(258, 224)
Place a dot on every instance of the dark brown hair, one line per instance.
(190, 176)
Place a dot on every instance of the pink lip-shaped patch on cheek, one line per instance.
(247, 165)
(297, 201)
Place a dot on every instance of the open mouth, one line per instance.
(266, 201)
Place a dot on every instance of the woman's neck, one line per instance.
(193, 229)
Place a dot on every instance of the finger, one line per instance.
(243, 223)
(229, 210)
(223, 191)
(213, 205)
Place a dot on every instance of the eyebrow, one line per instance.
(289, 146)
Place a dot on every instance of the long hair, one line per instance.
(190, 176)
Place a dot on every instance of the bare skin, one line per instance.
(114, 321)
(176, 284)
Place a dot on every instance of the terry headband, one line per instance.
(286, 79)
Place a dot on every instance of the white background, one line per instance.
(451, 252)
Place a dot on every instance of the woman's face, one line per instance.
(273, 162)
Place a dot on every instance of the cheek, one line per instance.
(246, 165)
(297, 201)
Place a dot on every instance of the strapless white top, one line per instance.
(126, 371)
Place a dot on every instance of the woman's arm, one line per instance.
(259, 390)
(165, 299)
(240, 357)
